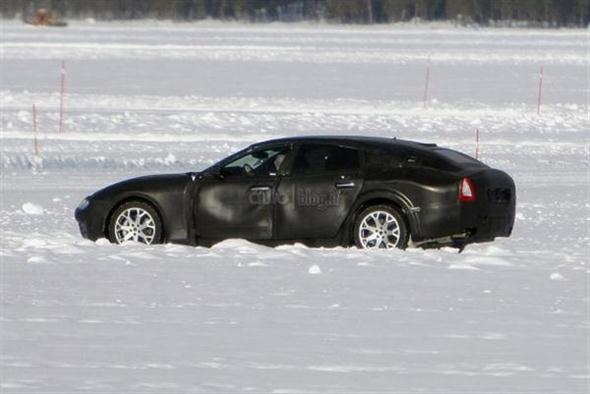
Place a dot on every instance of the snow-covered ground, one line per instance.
(78, 316)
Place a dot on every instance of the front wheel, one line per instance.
(135, 221)
(380, 226)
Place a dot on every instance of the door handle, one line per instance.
(345, 185)
(259, 188)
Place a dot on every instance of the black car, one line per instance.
(368, 192)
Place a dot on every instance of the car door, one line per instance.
(235, 199)
(322, 185)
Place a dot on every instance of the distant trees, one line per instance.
(550, 13)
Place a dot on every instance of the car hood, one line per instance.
(144, 184)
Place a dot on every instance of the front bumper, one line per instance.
(91, 220)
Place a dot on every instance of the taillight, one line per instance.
(466, 190)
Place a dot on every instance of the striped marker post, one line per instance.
(426, 85)
(35, 143)
(477, 143)
(540, 97)
(61, 95)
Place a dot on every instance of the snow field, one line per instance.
(78, 316)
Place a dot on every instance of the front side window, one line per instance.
(262, 162)
(316, 159)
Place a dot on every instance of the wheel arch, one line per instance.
(139, 198)
(385, 197)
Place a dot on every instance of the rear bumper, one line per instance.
(474, 222)
(491, 226)
(484, 229)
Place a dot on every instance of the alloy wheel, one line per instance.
(379, 229)
(135, 224)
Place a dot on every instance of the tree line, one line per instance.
(546, 13)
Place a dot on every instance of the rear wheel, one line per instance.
(135, 221)
(380, 226)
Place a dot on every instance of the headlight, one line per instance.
(83, 204)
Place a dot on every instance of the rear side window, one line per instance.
(314, 159)
(381, 160)
(459, 159)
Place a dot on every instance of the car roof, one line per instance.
(349, 140)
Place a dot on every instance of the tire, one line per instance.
(135, 221)
(380, 226)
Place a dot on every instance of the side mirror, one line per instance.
(217, 172)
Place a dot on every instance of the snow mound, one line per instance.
(32, 209)
(314, 270)
(556, 276)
